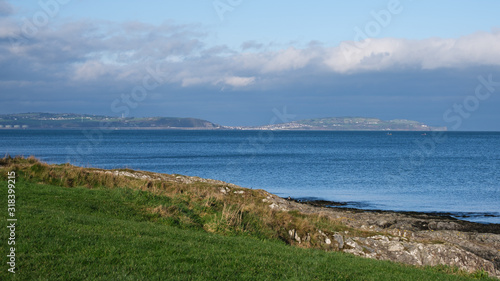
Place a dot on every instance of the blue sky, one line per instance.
(283, 22)
(421, 60)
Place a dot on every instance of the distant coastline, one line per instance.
(85, 121)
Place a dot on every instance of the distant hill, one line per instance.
(351, 124)
(70, 121)
(81, 121)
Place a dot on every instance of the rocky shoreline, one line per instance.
(413, 238)
(407, 237)
(421, 217)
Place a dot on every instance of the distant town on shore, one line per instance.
(85, 121)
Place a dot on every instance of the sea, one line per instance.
(454, 173)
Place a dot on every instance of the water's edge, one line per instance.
(346, 206)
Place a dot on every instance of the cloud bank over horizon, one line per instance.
(90, 51)
(76, 64)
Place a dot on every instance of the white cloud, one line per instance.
(236, 81)
(8, 28)
(91, 70)
(191, 81)
(289, 59)
(386, 53)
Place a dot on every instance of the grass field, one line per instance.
(81, 233)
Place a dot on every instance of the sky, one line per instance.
(242, 62)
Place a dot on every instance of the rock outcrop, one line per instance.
(410, 238)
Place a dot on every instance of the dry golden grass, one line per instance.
(192, 204)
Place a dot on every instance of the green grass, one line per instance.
(107, 234)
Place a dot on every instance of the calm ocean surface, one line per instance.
(457, 173)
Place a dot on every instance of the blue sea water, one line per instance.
(456, 172)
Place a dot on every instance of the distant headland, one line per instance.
(39, 120)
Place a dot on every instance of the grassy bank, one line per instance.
(79, 224)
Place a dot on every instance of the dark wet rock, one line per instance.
(413, 221)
